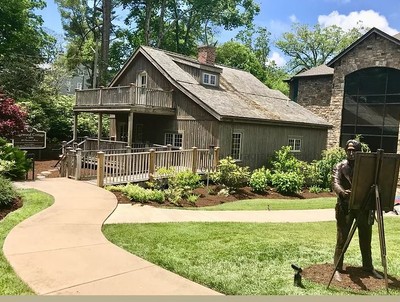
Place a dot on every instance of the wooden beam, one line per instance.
(99, 128)
(75, 127)
(130, 129)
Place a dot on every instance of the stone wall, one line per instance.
(314, 92)
(374, 51)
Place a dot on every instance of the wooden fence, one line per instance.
(122, 166)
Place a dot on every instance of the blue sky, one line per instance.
(278, 15)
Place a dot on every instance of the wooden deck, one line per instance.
(125, 98)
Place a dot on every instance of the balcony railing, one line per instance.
(124, 96)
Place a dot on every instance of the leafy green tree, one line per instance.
(24, 45)
(310, 47)
(257, 40)
(275, 76)
(237, 55)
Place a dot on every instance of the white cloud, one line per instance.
(366, 18)
(278, 58)
(293, 18)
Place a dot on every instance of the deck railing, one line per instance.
(125, 167)
(124, 95)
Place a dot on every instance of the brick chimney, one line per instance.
(206, 54)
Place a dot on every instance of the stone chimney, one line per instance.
(206, 54)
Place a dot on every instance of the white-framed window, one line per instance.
(209, 79)
(142, 81)
(236, 151)
(295, 144)
(174, 139)
(79, 86)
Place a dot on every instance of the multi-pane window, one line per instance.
(371, 107)
(295, 144)
(236, 152)
(174, 139)
(209, 79)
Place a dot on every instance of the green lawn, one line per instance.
(273, 204)
(34, 202)
(249, 258)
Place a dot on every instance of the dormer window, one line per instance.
(209, 79)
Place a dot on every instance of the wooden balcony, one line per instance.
(125, 98)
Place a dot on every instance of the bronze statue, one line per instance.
(341, 185)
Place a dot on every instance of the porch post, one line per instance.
(75, 127)
(100, 169)
(216, 158)
(99, 127)
(194, 160)
(130, 129)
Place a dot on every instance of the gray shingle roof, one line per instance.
(315, 71)
(240, 95)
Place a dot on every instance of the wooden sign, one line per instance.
(30, 138)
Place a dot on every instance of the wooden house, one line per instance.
(167, 98)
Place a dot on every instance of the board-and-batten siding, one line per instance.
(154, 77)
(198, 127)
(259, 142)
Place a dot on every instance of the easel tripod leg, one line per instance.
(346, 245)
(382, 242)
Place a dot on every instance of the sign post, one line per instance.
(30, 138)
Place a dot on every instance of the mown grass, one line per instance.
(249, 258)
(33, 202)
(273, 204)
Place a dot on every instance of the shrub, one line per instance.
(15, 160)
(230, 175)
(174, 195)
(7, 192)
(284, 161)
(260, 179)
(135, 192)
(287, 182)
(311, 174)
(315, 189)
(155, 195)
(330, 158)
(186, 179)
(161, 178)
(193, 198)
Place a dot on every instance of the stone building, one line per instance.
(357, 92)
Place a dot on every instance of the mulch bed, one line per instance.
(15, 205)
(354, 278)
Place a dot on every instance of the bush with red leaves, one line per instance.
(12, 117)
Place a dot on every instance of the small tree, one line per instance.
(12, 117)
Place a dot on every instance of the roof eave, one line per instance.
(180, 87)
(226, 118)
(361, 39)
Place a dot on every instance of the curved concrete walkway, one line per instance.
(62, 251)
